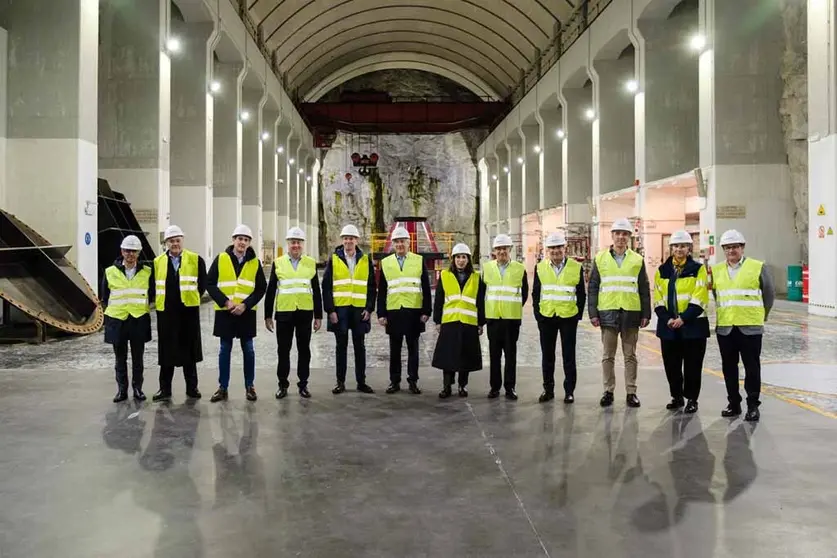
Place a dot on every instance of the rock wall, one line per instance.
(793, 110)
(418, 176)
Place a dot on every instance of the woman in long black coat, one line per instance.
(458, 346)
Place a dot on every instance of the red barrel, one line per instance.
(805, 283)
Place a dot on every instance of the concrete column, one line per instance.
(742, 144)
(304, 190)
(551, 157)
(822, 159)
(579, 156)
(134, 108)
(616, 124)
(503, 187)
(530, 170)
(293, 185)
(671, 95)
(251, 168)
(516, 162)
(51, 146)
(270, 190)
(283, 130)
(493, 180)
(227, 135)
(191, 136)
(314, 245)
(484, 209)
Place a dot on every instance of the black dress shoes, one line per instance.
(193, 394)
(251, 394)
(161, 396)
(731, 411)
(607, 399)
(632, 400)
(463, 391)
(413, 388)
(445, 393)
(364, 388)
(120, 396)
(393, 388)
(691, 407)
(139, 395)
(303, 392)
(675, 403)
(511, 395)
(281, 393)
(753, 414)
(219, 395)
(569, 398)
(494, 394)
(339, 388)
(546, 396)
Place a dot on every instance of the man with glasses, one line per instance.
(744, 294)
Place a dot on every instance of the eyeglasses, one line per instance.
(729, 247)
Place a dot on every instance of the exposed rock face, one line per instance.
(793, 109)
(419, 176)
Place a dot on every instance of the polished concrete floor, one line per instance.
(407, 476)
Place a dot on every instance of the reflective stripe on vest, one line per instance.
(403, 285)
(739, 301)
(690, 290)
(619, 288)
(460, 304)
(188, 273)
(293, 286)
(558, 292)
(237, 289)
(503, 296)
(127, 297)
(348, 290)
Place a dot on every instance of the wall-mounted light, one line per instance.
(506, 170)
(215, 86)
(590, 114)
(245, 116)
(265, 136)
(307, 179)
(560, 133)
(301, 171)
(697, 42)
(291, 161)
(632, 86)
(494, 177)
(537, 149)
(520, 160)
(173, 45)
(280, 149)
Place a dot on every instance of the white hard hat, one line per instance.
(680, 237)
(399, 233)
(502, 240)
(732, 236)
(622, 225)
(295, 233)
(243, 230)
(172, 231)
(555, 239)
(131, 242)
(350, 230)
(460, 248)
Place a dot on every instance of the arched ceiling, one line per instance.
(490, 41)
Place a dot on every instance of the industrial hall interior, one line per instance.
(418, 278)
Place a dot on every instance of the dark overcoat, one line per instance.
(405, 321)
(179, 326)
(458, 346)
(227, 325)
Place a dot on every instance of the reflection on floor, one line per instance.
(377, 475)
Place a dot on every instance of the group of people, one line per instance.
(618, 295)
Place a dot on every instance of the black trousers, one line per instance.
(448, 377)
(395, 342)
(299, 325)
(190, 374)
(749, 347)
(683, 361)
(502, 339)
(549, 330)
(121, 351)
(359, 347)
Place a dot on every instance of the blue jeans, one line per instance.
(224, 362)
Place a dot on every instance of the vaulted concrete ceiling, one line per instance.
(487, 42)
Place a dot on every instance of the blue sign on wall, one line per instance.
(87, 239)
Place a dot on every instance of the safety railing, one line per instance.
(419, 242)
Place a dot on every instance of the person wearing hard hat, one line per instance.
(127, 289)
(348, 301)
(180, 276)
(744, 294)
(292, 303)
(404, 306)
(507, 289)
(236, 283)
(681, 297)
(459, 311)
(558, 299)
(619, 301)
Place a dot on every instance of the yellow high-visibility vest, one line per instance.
(503, 293)
(739, 301)
(293, 286)
(188, 279)
(460, 304)
(235, 288)
(619, 287)
(127, 297)
(403, 285)
(690, 290)
(349, 290)
(558, 292)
